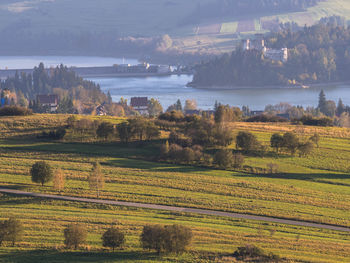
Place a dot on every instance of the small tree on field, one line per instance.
(315, 139)
(96, 179)
(224, 159)
(41, 172)
(59, 180)
(11, 230)
(238, 160)
(105, 130)
(74, 235)
(113, 238)
(305, 149)
(290, 142)
(276, 141)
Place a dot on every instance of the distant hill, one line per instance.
(94, 26)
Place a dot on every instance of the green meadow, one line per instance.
(314, 188)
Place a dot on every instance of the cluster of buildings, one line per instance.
(140, 104)
(259, 44)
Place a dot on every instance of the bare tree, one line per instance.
(96, 179)
(59, 180)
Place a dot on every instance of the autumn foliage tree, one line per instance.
(74, 235)
(59, 180)
(96, 179)
(11, 230)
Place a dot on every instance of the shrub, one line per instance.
(166, 239)
(113, 238)
(15, 111)
(55, 135)
(74, 235)
(251, 252)
(41, 172)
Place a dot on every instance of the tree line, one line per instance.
(163, 239)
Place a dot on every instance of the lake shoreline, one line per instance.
(279, 87)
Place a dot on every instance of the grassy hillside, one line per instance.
(316, 188)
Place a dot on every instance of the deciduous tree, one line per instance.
(41, 172)
(59, 180)
(96, 179)
(75, 235)
(113, 238)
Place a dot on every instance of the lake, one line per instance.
(168, 89)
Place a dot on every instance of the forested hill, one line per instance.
(219, 8)
(77, 93)
(317, 54)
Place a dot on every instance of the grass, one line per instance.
(316, 188)
(214, 237)
(229, 27)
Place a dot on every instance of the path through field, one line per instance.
(177, 209)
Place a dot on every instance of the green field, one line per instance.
(316, 189)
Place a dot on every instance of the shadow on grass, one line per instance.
(10, 199)
(53, 256)
(113, 149)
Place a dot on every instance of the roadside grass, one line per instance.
(214, 237)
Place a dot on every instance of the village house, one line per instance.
(140, 104)
(48, 101)
(100, 110)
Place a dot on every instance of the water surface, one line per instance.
(168, 89)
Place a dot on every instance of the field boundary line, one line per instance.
(178, 209)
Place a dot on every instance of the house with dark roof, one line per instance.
(140, 104)
(48, 101)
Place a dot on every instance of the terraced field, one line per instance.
(315, 189)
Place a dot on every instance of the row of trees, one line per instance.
(139, 129)
(42, 173)
(161, 238)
